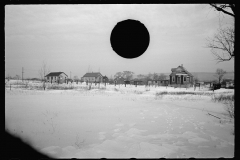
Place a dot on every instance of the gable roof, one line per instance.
(93, 74)
(174, 71)
(54, 74)
(119, 79)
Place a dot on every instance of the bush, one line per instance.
(183, 93)
(223, 97)
(59, 87)
(230, 108)
(138, 92)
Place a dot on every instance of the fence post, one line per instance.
(44, 85)
(10, 86)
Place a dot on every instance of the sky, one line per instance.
(75, 38)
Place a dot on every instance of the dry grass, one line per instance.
(59, 87)
(183, 93)
(227, 100)
(137, 92)
(222, 97)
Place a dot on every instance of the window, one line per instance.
(184, 79)
(173, 79)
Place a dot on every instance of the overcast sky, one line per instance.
(74, 37)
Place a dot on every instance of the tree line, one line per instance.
(128, 75)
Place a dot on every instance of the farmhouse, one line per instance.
(136, 81)
(119, 80)
(92, 77)
(180, 77)
(159, 82)
(226, 83)
(164, 82)
(56, 77)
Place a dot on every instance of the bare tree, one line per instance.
(118, 74)
(44, 70)
(17, 77)
(222, 44)
(219, 74)
(155, 76)
(195, 79)
(228, 9)
(75, 78)
(8, 77)
(140, 76)
(128, 75)
(162, 76)
(149, 76)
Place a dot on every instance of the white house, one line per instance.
(56, 77)
(92, 77)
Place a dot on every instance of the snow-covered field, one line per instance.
(120, 122)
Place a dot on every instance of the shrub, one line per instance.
(59, 87)
(183, 93)
(229, 106)
(138, 92)
(102, 88)
(223, 97)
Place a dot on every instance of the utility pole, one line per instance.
(22, 74)
(70, 74)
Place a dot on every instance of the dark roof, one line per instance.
(119, 78)
(227, 80)
(174, 72)
(93, 74)
(173, 69)
(54, 74)
(136, 79)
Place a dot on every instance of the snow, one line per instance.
(120, 122)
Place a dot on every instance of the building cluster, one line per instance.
(179, 77)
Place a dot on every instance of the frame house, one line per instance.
(180, 77)
(136, 81)
(92, 77)
(158, 82)
(56, 77)
(164, 82)
(119, 80)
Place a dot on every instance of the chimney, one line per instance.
(182, 65)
